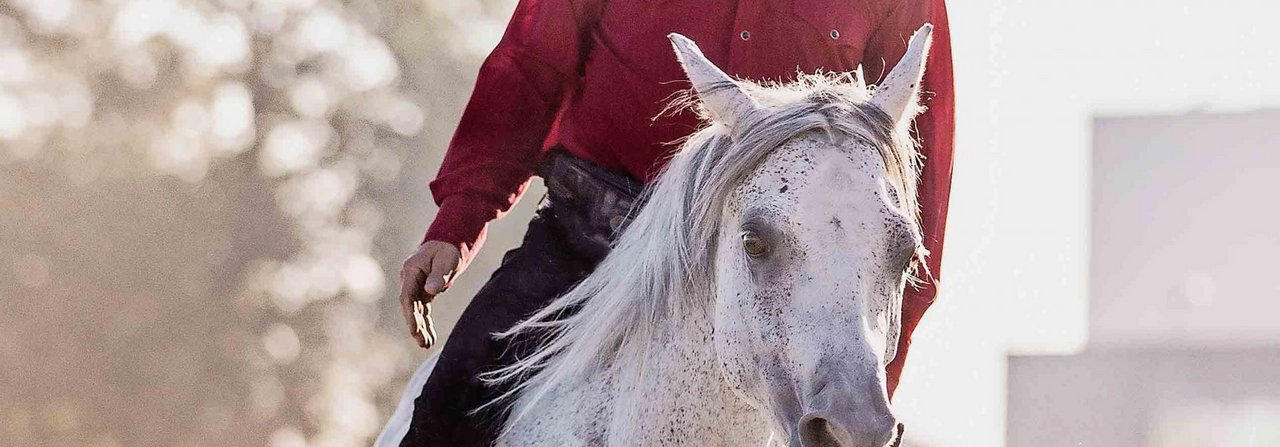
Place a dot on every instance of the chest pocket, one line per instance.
(841, 23)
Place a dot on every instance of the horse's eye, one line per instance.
(753, 244)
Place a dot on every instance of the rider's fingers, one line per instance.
(422, 320)
(411, 277)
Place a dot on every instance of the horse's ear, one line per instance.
(722, 97)
(899, 94)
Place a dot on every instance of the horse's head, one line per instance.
(814, 247)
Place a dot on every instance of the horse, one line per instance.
(755, 298)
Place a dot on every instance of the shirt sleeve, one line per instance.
(518, 93)
(935, 128)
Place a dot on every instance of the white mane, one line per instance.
(662, 264)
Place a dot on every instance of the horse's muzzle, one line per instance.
(839, 412)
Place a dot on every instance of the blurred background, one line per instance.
(203, 205)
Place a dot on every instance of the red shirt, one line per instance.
(594, 76)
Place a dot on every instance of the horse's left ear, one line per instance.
(722, 97)
(899, 94)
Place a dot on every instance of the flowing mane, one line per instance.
(662, 264)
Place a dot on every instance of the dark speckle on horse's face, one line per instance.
(814, 306)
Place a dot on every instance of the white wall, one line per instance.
(1184, 234)
(1030, 77)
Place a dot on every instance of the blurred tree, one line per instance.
(197, 228)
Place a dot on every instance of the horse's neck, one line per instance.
(673, 394)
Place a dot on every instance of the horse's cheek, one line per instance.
(733, 345)
(731, 355)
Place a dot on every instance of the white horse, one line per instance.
(755, 298)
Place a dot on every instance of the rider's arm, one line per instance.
(935, 129)
(517, 95)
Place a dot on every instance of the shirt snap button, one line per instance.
(835, 34)
(745, 35)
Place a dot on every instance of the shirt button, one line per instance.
(835, 34)
(745, 35)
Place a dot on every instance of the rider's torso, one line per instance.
(630, 73)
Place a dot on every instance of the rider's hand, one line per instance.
(427, 273)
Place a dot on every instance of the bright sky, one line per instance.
(1030, 76)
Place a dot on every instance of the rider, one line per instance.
(575, 93)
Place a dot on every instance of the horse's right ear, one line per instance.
(722, 97)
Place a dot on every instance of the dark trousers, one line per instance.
(585, 207)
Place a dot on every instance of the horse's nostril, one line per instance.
(816, 431)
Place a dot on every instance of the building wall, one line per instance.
(1184, 230)
(1145, 397)
(1183, 348)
